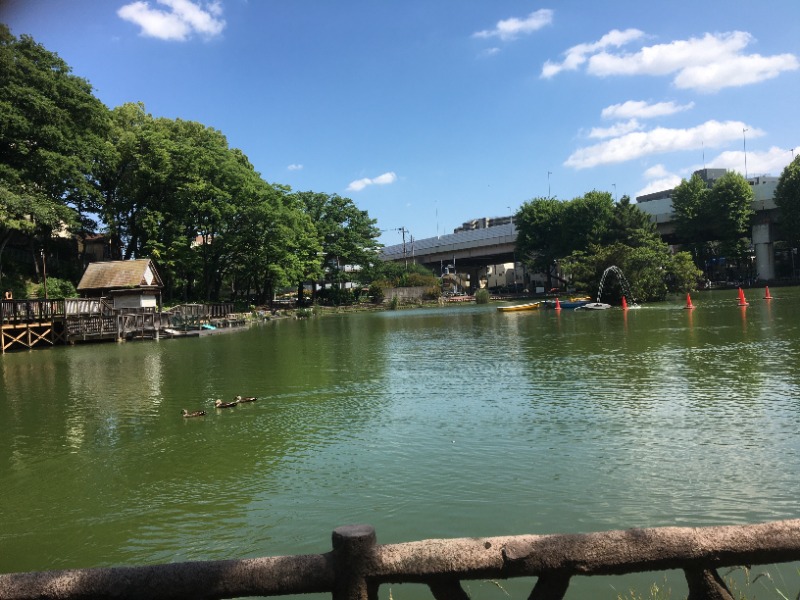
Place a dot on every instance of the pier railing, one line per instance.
(357, 565)
(204, 311)
(30, 311)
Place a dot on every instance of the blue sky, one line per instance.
(430, 113)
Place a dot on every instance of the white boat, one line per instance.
(594, 306)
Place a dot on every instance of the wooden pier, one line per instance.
(30, 323)
(27, 324)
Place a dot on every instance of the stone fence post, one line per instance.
(353, 553)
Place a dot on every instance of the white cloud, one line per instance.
(656, 172)
(615, 130)
(576, 55)
(771, 162)
(658, 141)
(360, 184)
(659, 185)
(659, 179)
(183, 18)
(636, 109)
(705, 64)
(509, 29)
(735, 72)
(295, 167)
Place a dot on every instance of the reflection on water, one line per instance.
(425, 423)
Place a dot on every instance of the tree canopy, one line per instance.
(713, 222)
(588, 234)
(787, 198)
(51, 134)
(169, 189)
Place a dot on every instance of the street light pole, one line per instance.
(44, 273)
(744, 143)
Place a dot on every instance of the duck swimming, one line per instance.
(220, 404)
(197, 413)
(245, 399)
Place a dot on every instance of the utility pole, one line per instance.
(44, 273)
(744, 143)
(405, 257)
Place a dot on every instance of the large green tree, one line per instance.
(549, 229)
(347, 235)
(630, 225)
(787, 198)
(52, 132)
(540, 238)
(714, 222)
(690, 207)
(650, 268)
(730, 213)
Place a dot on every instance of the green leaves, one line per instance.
(787, 198)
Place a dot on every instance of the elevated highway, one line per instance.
(475, 250)
(465, 249)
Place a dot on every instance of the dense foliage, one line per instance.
(167, 189)
(714, 222)
(787, 198)
(581, 238)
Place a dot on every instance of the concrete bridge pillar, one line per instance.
(765, 252)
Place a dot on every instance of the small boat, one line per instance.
(595, 306)
(518, 307)
(220, 404)
(197, 413)
(566, 305)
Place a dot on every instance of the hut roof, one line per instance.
(139, 273)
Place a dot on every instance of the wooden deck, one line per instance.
(30, 323)
(27, 324)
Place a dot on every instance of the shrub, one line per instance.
(376, 293)
(432, 293)
(482, 296)
(57, 288)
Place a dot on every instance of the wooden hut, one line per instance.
(130, 285)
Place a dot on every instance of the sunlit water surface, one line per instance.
(442, 422)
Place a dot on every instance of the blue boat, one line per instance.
(566, 305)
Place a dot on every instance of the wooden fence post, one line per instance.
(353, 547)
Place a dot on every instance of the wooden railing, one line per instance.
(92, 325)
(216, 310)
(357, 565)
(30, 311)
(142, 322)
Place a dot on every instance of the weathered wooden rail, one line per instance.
(143, 324)
(29, 323)
(357, 565)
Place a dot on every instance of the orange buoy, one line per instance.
(766, 294)
(624, 303)
(689, 304)
(742, 301)
(558, 304)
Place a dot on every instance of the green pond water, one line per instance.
(426, 423)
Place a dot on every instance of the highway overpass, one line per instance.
(474, 250)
